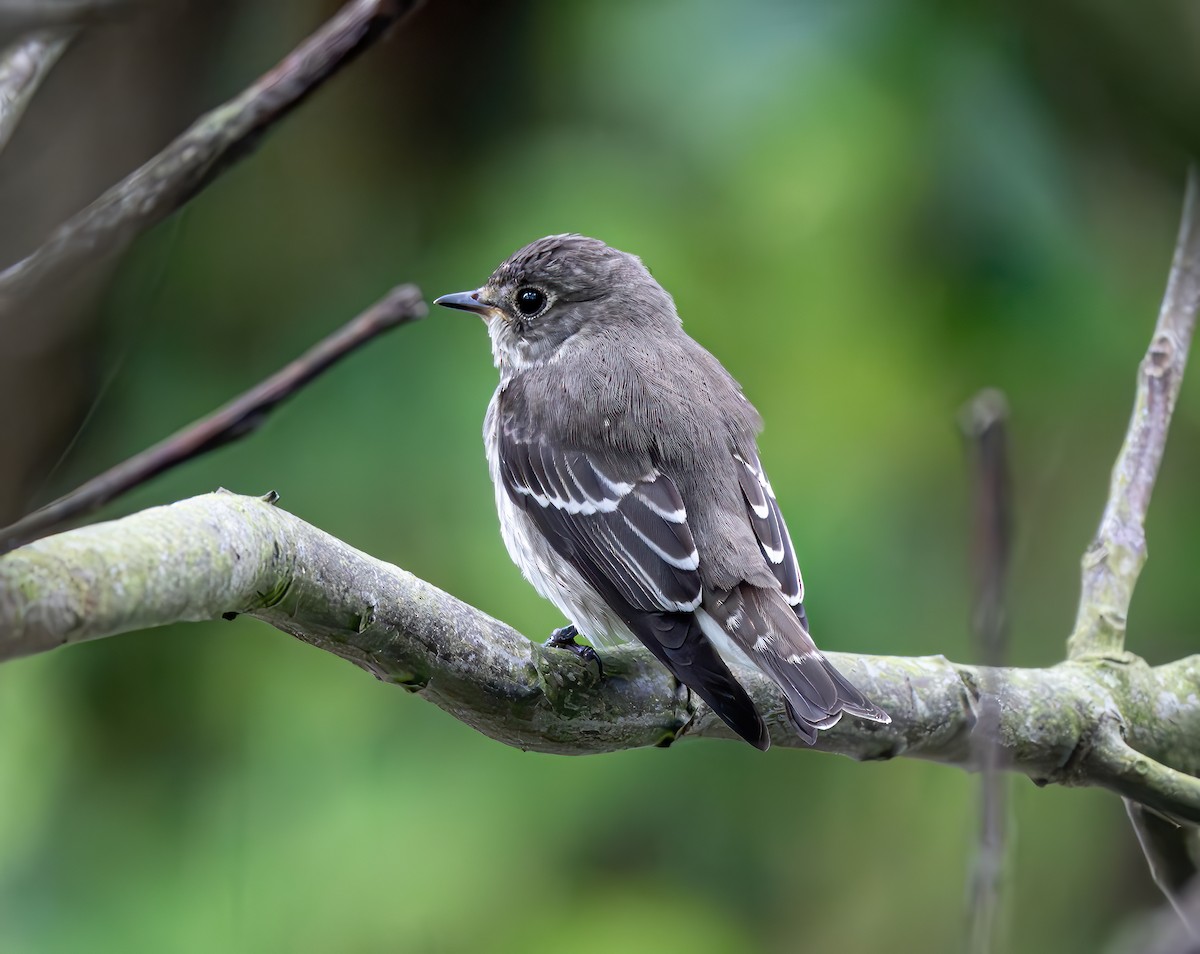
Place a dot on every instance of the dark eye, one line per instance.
(530, 301)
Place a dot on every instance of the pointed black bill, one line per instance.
(464, 301)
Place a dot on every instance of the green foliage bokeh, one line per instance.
(868, 211)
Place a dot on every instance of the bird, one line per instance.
(630, 490)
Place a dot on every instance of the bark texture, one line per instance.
(1114, 723)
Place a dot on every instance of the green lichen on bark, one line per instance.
(1083, 722)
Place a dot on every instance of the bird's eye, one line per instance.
(530, 301)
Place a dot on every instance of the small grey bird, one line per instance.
(629, 486)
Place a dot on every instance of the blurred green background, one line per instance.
(868, 209)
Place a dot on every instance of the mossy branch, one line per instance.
(222, 554)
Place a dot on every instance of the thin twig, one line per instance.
(983, 423)
(203, 152)
(241, 416)
(1115, 558)
(23, 66)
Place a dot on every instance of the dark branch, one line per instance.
(984, 426)
(201, 154)
(241, 416)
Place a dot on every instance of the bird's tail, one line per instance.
(678, 642)
(770, 633)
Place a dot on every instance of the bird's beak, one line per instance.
(466, 301)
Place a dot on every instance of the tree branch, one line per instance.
(1114, 560)
(23, 66)
(203, 152)
(983, 423)
(241, 416)
(222, 554)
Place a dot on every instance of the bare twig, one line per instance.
(241, 416)
(197, 157)
(1115, 558)
(23, 66)
(983, 423)
(223, 554)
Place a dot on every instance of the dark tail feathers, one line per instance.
(770, 632)
(679, 644)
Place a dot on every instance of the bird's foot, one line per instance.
(564, 638)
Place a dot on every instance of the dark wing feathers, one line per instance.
(767, 630)
(627, 536)
(677, 642)
(769, 528)
(817, 694)
(853, 701)
(631, 529)
(583, 478)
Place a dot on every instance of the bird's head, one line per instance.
(557, 287)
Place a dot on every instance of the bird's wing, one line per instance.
(769, 528)
(624, 529)
(760, 624)
(627, 528)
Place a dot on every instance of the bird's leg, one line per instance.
(564, 638)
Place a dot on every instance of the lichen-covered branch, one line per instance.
(1114, 560)
(223, 554)
(199, 155)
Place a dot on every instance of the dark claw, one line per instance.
(564, 638)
